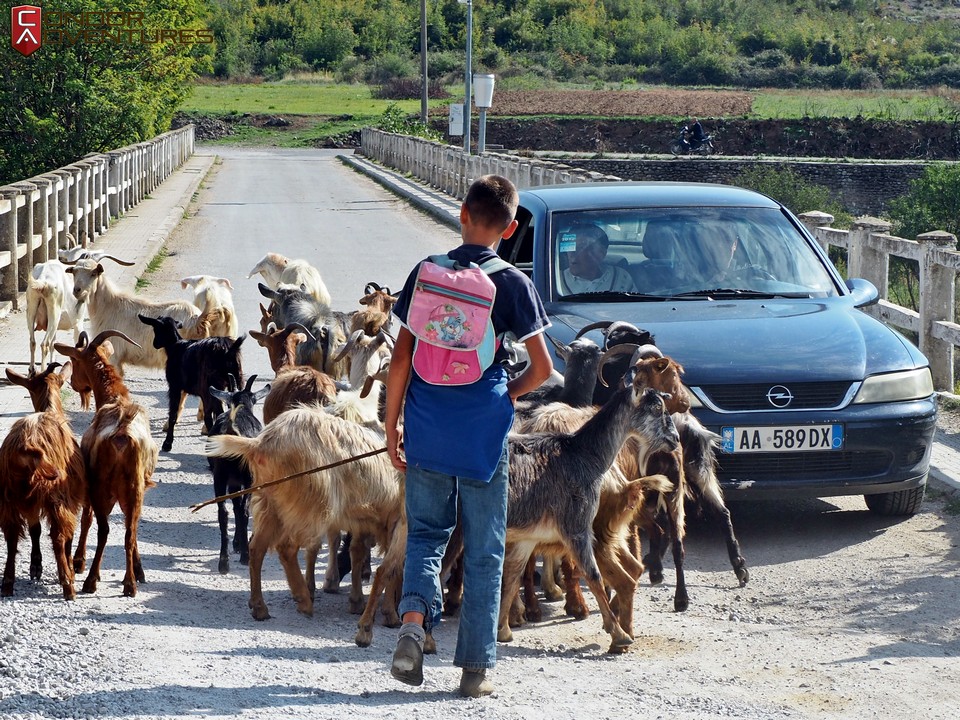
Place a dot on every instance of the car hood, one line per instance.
(756, 340)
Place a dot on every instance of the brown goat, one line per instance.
(119, 453)
(294, 383)
(364, 497)
(41, 476)
(375, 316)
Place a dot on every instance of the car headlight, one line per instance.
(694, 400)
(891, 387)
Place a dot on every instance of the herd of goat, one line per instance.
(599, 456)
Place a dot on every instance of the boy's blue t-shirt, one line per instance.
(459, 430)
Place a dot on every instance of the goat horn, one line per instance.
(117, 260)
(290, 327)
(620, 325)
(647, 351)
(249, 383)
(371, 284)
(351, 341)
(109, 334)
(621, 349)
(600, 324)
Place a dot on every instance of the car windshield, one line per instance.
(659, 253)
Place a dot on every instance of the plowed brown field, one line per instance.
(620, 103)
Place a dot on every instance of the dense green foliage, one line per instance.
(932, 203)
(793, 191)
(65, 101)
(753, 43)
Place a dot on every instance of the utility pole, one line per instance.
(424, 90)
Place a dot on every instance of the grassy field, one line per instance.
(330, 99)
(310, 98)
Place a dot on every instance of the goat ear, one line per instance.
(15, 377)
(267, 292)
(662, 364)
(221, 395)
(107, 348)
(66, 372)
(261, 393)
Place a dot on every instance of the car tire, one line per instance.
(899, 503)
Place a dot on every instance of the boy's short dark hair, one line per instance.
(492, 201)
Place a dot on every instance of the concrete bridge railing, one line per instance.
(79, 200)
(868, 243)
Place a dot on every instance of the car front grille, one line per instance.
(803, 466)
(806, 396)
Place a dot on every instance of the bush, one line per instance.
(395, 120)
(390, 67)
(787, 187)
(932, 203)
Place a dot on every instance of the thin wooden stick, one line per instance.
(371, 453)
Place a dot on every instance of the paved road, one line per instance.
(842, 606)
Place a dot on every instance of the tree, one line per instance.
(92, 87)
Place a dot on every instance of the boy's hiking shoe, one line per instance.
(407, 666)
(474, 684)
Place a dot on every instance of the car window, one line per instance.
(678, 251)
(518, 248)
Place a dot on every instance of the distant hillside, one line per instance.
(743, 43)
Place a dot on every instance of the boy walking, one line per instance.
(454, 446)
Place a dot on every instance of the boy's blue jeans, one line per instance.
(431, 502)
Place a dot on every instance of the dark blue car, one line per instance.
(809, 394)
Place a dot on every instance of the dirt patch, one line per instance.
(617, 103)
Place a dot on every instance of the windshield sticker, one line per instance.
(568, 242)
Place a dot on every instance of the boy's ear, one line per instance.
(464, 214)
(510, 229)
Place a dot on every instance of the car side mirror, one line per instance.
(863, 292)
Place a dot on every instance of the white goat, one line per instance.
(279, 270)
(214, 298)
(114, 309)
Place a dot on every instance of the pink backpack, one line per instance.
(450, 316)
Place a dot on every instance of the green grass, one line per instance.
(296, 98)
(899, 105)
(155, 262)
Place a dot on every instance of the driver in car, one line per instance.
(715, 265)
(586, 247)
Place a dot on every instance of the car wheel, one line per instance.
(901, 502)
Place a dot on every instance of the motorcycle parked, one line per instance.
(684, 144)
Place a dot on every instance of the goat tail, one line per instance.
(656, 483)
(232, 446)
(44, 478)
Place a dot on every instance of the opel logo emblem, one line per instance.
(779, 396)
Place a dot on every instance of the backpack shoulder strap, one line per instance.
(494, 265)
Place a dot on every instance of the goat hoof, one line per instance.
(224, 565)
(553, 594)
(743, 575)
(79, 565)
(357, 606)
(533, 613)
(504, 635)
(305, 608)
(364, 636)
(69, 593)
(245, 560)
(7, 591)
(167, 446)
(656, 577)
(617, 648)
(260, 613)
(680, 604)
(89, 587)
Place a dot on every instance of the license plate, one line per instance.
(789, 438)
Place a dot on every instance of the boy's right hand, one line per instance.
(395, 449)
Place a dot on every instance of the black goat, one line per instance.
(615, 333)
(193, 366)
(581, 358)
(229, 474)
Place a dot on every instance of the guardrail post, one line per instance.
(861, 261)
(937, 303)
(41, 220)
(25, 233)
(814, 219)
(8, 232)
